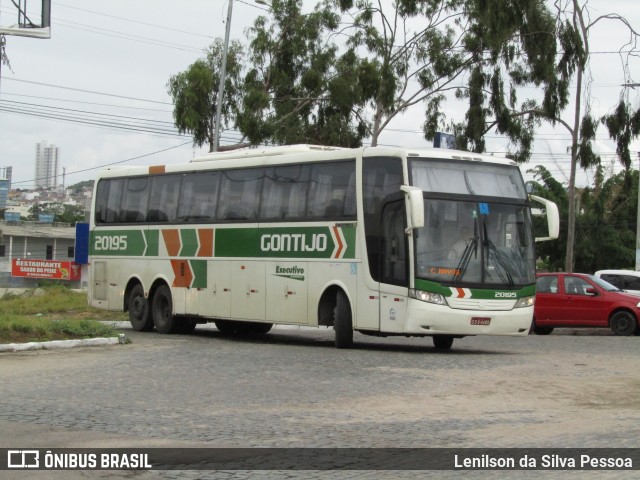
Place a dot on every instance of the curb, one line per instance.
(88, 342)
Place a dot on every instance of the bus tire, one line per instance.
(227, 327)
(186, 325)
(257, 328)
(442, 342)
(138, 307)
(342, 322)
(162, 310)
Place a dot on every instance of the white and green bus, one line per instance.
(382, 241)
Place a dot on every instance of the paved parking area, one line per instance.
(292, 388)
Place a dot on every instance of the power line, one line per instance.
(106, 164)
(163, 27)
(4, 94)
(135, 38)
(85, 91)
(85, 112)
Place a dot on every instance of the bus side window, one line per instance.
(199, 197)
(381, 177)
(284, 193)
(116, 187)
(102, 196)
(164, 198)
(394, 245)
(135, 200)
(240, 194)
(332, 190)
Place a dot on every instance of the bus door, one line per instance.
(394, 267)
(382, 178)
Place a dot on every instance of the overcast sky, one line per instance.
(114, 57)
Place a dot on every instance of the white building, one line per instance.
(47, 163)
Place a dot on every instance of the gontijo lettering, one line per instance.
(293, 242)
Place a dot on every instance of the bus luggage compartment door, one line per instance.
(248, 290)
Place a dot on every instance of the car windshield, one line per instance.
(604, 284)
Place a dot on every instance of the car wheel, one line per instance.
(623, 323)
(542, 330)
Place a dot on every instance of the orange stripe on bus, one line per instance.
(155, 169)
(182, 273)
(172, 242)
(205, 236)
(338, 241)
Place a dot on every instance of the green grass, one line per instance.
(53, 313)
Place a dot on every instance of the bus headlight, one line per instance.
(525, 302)
(428, 297)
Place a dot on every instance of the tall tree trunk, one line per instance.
(571, 221)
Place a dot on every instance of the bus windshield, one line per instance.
(461, 244)
(478, 229)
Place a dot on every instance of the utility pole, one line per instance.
(223, 73)
(638, 221)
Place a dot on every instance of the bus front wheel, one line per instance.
(138, 307)
(162, 310)
(442, 342)
(342, 322)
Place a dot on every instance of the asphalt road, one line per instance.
(292, 388)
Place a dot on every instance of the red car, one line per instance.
(578, 300)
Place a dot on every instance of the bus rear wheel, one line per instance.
(342, 322)
(138, 307)
(162, 310)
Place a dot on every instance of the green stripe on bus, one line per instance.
(287, 242)
(151, 237)
(189, 240)
(117, 243)
(199, 269)
(479, 293)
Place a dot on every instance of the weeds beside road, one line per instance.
(53, 313)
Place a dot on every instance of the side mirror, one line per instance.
(553, 218)
(591, 291)
(416, 207)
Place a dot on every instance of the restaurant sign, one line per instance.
(50, 269)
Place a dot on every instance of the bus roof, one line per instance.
(263, 151)
(264, 156)
(253, 152)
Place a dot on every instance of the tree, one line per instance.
(574, 26)
(195, 93)
(399, 66)
(605, 221)
(551, 253)
(63, 213)
(296, 90)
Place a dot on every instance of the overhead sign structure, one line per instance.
(49, 269)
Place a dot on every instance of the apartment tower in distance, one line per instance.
(5, 185)
(46, 165)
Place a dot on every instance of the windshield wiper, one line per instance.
(498, 261)
(470, 249)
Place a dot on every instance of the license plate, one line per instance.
(480, 320)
